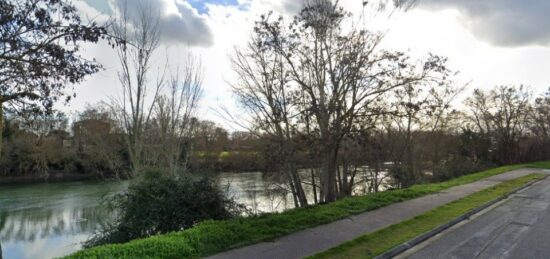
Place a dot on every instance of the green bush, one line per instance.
(157, 204)
(455, 167)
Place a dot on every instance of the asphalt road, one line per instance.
(519, 227)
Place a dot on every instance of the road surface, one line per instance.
(518, 227)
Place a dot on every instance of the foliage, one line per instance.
(502, 116)
(455, 167)
(39, 54)
(373, 244)
(43, 147)
(40, 147)
(214, 236)
(156, 204)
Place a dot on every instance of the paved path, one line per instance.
(517, 228)
(311, 241)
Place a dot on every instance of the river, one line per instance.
(52, 219)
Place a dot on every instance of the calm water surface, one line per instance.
(51, 220)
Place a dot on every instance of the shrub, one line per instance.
(157, 204)
(455, 167)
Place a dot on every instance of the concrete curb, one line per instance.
(419, 239)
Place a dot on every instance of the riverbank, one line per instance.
(68, 177)
(53, 177)
(211, 237)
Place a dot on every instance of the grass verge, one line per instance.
(376, 243)
(211, 237)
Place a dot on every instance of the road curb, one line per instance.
(419, 239)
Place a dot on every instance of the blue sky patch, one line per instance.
(100, 5)
(200, 5)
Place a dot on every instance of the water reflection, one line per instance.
(262, 192)
(258, 191)
(51, 220)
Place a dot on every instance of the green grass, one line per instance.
(211, 237)
(376, 243)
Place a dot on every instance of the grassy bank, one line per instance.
(376, 243)
(211, 237)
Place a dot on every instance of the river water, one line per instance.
(51, 220)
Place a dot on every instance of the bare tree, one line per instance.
(174, 116)
(342, 72)
(139, 33)
(263, 90)
(502, 115)
(541, 116)
(420, 108)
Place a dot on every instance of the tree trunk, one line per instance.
(293, 189)
(339, 183)
(328, 175)
(1, 133)
(298, 185)
(312, 185)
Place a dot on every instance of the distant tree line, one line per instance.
(93, 146)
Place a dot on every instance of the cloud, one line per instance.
(286, 8)
(187, 25)
(509, 23)
(179, 21)
(89, 13)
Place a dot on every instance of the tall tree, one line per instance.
(419, 107)
(137, 27)
(502, 115)
(342, 73)
(40, 53)
(174, 117)
(264, 92)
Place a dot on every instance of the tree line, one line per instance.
(92, 146)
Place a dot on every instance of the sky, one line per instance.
(490, 42)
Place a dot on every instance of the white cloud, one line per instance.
(179, 21)
(443, 32)
(502, 22)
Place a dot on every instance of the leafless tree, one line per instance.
(501, 115)
(138, 30)
(541, 116)
(263, 90)
(174, 116)
(420, 108)
(342, 72)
